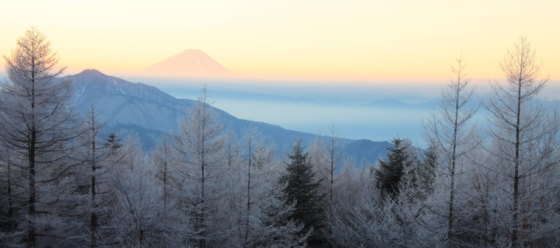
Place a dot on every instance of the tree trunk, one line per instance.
(93, 221)
(514, 233)
(31, 200)
(31, 158)
(248, 192)
(453, 163)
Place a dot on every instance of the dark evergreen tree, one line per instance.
(390, 171)
(112, 142)
(302, 189)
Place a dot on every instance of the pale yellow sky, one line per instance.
(404, 39)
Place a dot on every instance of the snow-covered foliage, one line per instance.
(62, 185)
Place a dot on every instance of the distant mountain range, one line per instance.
(429, 105)
(394, 103)
(190, 62)
(151, 114)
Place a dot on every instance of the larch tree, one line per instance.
(329, 161)
(38, 123)
(138, 217)
(251, 140)
(258, 176)
(525, 142)
(429, 169)
(450, 132)
(9, 193)
(271, 224)
(327, 155)
(169, 173)
(201, 146)
(94, 170)
(164, 162)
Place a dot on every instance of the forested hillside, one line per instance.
(64, 184)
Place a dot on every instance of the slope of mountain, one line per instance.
(144, 109)
(128, 103)
(367, 151)
(190, 62)
(134, 107)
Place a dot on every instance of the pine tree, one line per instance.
(302, 189)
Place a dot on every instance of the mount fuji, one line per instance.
(190, 62)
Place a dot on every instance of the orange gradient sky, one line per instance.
(390, 39)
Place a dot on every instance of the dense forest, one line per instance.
(476, 185)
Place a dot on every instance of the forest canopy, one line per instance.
(62, 184)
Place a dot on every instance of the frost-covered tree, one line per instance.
(450, 132)
(233, 149)
(252, 142)
(138, 217)
(327, 155)
(200, 144)
(258, 173)
(38, 125)
(372, 220)
(524, 136)
(271, 224)
(92, 174)
(164, 161)
(429, 167)
(9, 195)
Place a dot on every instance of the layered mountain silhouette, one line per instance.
(190, 62)
(151, 114)
(394, 103)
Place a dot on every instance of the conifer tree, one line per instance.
(302, 189)
(271, 225)
(451, 131)
(112, 142)
(38, 126)
(93, 173)
(429, 166)
(525, 135)
(201, 148)
(390, 171)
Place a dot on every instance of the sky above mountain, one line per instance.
(404, 39)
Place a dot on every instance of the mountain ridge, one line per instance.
(138, 108)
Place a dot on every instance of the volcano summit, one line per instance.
(190, 62)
